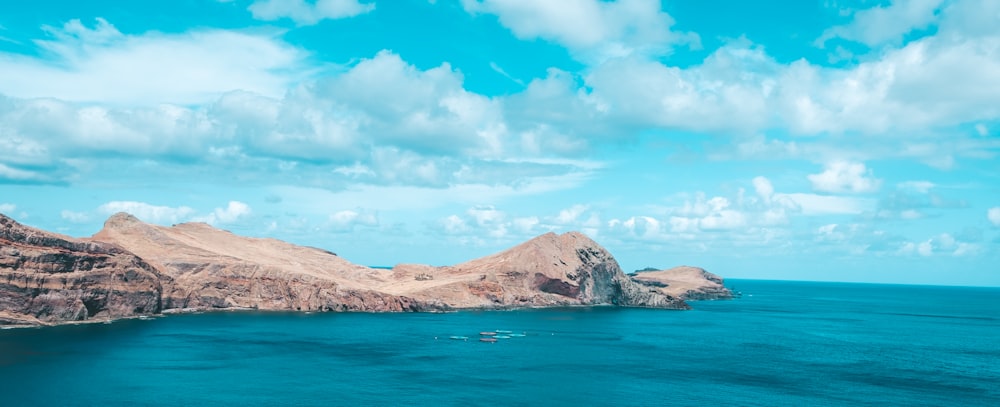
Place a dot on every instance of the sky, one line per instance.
(825, 140)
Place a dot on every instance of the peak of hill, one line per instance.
(197, 266)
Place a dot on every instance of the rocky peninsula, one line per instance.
(132, 269)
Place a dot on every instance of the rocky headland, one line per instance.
(131, 268)
(684, 282)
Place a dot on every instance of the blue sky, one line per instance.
(809, 140)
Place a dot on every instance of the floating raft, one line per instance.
(487, 339)
(487, 333)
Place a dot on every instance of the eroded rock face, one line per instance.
(689, 283)
(550, 270)
(47, 278)
(211, 269)
(132, 268)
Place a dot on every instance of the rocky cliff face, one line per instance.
(550, 270)
(46, 278)
(132, 268)
(211, 268)
(685, 282)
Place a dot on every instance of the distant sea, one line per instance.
(782, 343)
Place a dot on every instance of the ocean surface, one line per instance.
(782, 343)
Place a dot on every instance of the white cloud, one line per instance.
(101, 65)
(925, 248)
(921, 187)
(993, 214)
(595, 30)
(845, 177)
(348, 219)
(644, 227)
(764, 188)
(982, 130)
(525, 225)
(813, 204)
(147, 212)
(454, 224)
(229, 214)
(880, 24)
(74, 217)
(569, 215)
(304, 12)
(485, 215)
(15, 174)
(7, 208)
(944, 243)
(171, 215)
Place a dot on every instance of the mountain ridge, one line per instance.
(198, 267)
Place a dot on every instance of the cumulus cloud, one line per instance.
(813, 204)
(349, 219)
(569, 215)
(305, 12)
(231, 213)
(882, 24)
(845, 177)
(453, 224)
(993, 214)
(74, 217)
(171, 215)
(922, 187)
(101, 64)
(764, 188)
(148, 212)
(16, 174)
(485, 215)
(944, 243)
(595, 30)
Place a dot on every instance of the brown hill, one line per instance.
(132, 268)
(49, 278)
(549, 270)
(685, 282)
(213, 268)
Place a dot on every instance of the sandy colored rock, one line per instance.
(685, 282)
(131, 268)
(549, 270)
(47, 278)
(212, 268)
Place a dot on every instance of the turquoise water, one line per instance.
(782, 343)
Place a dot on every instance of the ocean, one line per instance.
(780, 344)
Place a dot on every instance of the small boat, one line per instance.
(502, 337)
(459, 337)
(487, 339)
(487, 333)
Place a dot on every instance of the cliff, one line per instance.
(212, 268)
(131, 268)
(47, 278)
(549, 270)
(685, 282)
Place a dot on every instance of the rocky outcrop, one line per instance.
(47, 278)
(688, 283)
(212, 269)
(131, 268)
(549, 270)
